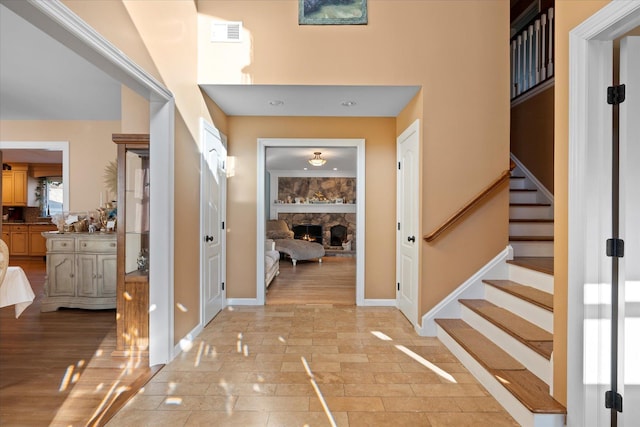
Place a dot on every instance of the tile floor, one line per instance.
(313, 365)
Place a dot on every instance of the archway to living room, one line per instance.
(304, 209)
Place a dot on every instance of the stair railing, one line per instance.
(532, 59)
(453, 219)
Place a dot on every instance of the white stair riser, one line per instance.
(530, 212)
(534, 362)
(532, 249)
(531, 312)
(519, 184)
(536, 279)
(523, 196)
(512, 405)
(531, 228)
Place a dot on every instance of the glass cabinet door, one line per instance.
(137, 211)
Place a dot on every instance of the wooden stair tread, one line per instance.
(528, 293)
(490, 356)
(517, 177)
(530, 220)
(531, 238)
(530, 204)
(524, 190)
(524, 331)
(532, 392)
(541, 264)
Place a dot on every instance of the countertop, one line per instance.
(27, 223)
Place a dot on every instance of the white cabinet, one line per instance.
(81, 271)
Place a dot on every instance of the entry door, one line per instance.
(213, 195)
(407, 239)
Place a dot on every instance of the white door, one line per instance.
(407, 238)
(212, 205)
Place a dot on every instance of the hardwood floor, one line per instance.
(56, 368)
(309, 282)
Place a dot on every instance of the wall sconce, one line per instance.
(316, 160)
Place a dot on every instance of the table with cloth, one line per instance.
(16, 290)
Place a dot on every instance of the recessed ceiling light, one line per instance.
(335, 169)
(276, 102)
(348, 103)
(306, 169)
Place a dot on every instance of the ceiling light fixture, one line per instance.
(276, 102)
(316, 160)
(348, 103)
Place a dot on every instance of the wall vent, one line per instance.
(226, 31)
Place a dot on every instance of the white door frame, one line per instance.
(590, 62)
(57, 20)
(261, 215)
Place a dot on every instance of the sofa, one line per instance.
(296, 249)
(271, 262)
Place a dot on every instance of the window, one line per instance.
(53, 195)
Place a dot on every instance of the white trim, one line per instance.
(51, 146)
(261, 214)
(590, 50)
(57, 20)
(541, 188)
(473, 288)
(372, 302)
(533, 92)
(179, 347)
(244, 301)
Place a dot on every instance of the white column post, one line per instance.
(519, 56)
(513, 70)
(543, 59)
(537, 49)
(550, 32)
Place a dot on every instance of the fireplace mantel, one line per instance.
(277, 208)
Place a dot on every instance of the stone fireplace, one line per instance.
(327, 221)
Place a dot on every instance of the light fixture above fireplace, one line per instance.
(316, 160)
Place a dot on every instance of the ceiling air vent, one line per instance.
(226, 31)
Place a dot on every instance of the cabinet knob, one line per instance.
(84, 245)
(94, 276)
(112, 245)
(64, 244)
(71, 275)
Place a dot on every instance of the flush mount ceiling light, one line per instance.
(316, 160)
(276, 102)
(348, 103)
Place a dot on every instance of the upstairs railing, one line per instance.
(532, 54)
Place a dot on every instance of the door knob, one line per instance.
(208, 238)
(411, 238)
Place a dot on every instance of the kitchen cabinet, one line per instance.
(81, 271)
(37, 243)
(6, 236)
(19, 239)
(14, 186)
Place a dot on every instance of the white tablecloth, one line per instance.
(16, 289)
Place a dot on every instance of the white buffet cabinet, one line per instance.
(81, 271)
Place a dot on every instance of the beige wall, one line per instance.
(161, 36)
(532, 136)
(380, 149)
(463, 107)
(90, 150)
(569, 14)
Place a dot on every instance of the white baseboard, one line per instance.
(546, 193)
(449, 308)
(186, 342)
(242, 301)
(378, 303)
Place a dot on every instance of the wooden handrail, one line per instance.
(466, 208)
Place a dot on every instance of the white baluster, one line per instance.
(513, 69)
(543, 58)
(550, 30)
(525, 65)
(530, 69)
(537, 49)
(519, 64)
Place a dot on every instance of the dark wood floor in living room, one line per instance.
(333, 281)
(56, 368)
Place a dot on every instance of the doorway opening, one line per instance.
(311, 208)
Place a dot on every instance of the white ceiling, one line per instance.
(31, 156)
(296, 158)
(41, 79)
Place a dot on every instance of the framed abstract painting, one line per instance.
(332, 12)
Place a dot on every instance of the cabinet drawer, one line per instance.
(16, 228)
(101, 246)
(60, 245)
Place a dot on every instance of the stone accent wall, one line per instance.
(310, 187)
(327, 220)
